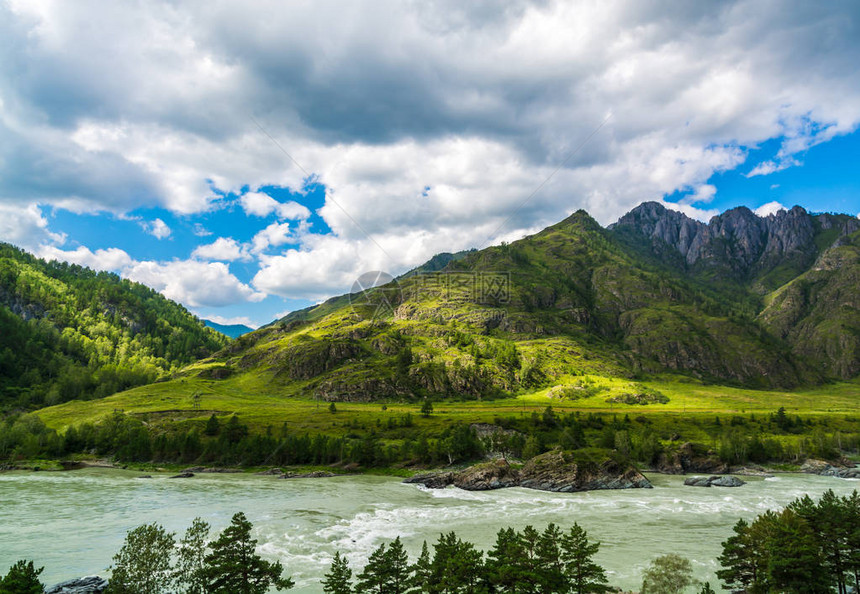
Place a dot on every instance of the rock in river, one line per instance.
(92, 584)
(714, 481)
(553, 471)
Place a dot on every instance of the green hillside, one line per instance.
(545, 314)
(67, 333)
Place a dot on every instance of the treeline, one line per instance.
(399, 439)
(67, 332)
(809, 547)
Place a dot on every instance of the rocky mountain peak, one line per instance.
(737, 239)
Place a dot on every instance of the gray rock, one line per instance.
(714, 481)
(92, 584)
(315, 474)
(185, 474)
(432, 480)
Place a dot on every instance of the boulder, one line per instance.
(714, 481)
(184, 474)
(432, 480)
(485, 477)
(564, 472)
(92, 584)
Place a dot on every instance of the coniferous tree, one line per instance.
(339, 578)
(373, 579)
(458, 568)
(233, 567)
(422, 572)
(143, 564)
(796, 563)
(550, 567)
(582, 573)
(738, 559)
(397, 568)
(23, 578)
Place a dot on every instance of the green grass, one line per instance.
(258, 405)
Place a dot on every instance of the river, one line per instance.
(73, 522)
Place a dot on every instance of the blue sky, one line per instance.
(247, 161)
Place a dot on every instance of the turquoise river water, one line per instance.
(73, 522)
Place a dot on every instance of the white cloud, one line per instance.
(193, 283)
(262, 205)
(156, 228)
(768, 167)
(769, 209)
(273, 235)
(110, 259)
(26, 227)
(700, 214)
(161, 104)
(224, 248)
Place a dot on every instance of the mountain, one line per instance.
(231, 330)
(761, 302)
(803, 266)
(67, 332)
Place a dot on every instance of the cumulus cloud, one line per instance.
(156, 228)
(262, 205)
(226, 249)
(769, 209)
(110, 259)
(26, 226)
(193, 283)
(428, 123)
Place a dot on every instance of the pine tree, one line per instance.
(796, 563)
(582, 573)
(397, 568)
(738, 560)
(143, 564)
(23, 578)
(422, 573)
(339, 578)
(191, 556)
(233, 567)
(549, 567)
(373, 579)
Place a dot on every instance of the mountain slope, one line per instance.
(67, 332)
(544, 313)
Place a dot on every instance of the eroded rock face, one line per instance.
(562, 472)
(556, 471)
(839, 470)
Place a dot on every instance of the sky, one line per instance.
(249, 159)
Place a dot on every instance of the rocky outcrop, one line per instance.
(211, 470)
(563, 472)
(714, 481)
(92, 584)
(839, 469)
(688, 459)
(738, 239)
(183, 475)
(556, 471)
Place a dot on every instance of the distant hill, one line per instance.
(758, 302)
(231, 330)
(67, 332)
